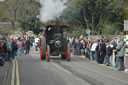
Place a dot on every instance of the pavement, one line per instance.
(4, 70)
(30, 70)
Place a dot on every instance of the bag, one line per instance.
(110, 51)
(14, 47)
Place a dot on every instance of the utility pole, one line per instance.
(126, 29)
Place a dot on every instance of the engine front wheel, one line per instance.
(42, 48)
(68, 53)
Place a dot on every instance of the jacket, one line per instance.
(9, 47)
(108, 50)
(121, 49)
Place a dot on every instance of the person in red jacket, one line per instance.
(1, 49)
(1, 55)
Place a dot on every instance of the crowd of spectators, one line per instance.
(99, 50)
(11, 46)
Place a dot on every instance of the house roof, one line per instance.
(4, 25)
(8, 23)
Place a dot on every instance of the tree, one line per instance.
(3, 14)
(19, 8)
(12, 7)
(126, 9)
(93, 14)
(31, 22)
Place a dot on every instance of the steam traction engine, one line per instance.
(53, 43)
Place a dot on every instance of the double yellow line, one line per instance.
(15, 73)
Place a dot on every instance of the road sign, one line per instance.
(125, 25)
(88, 31)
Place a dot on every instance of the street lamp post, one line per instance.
(88, 31)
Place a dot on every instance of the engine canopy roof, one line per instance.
(62, 24)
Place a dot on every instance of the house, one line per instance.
(6, 25)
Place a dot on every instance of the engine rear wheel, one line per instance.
(42, 48)
(47, 53)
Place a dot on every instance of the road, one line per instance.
(30, 70)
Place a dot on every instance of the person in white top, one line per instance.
(36, 44)
(93, 49)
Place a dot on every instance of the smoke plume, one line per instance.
(51, 9)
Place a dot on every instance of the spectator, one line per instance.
(115, 53)
(1, 53)
(72, 48)
(23, 45)
(79, 45)
(102, 51)
(88, 49)
(5, 51)
(114, 44)
(108, 54)
(76, 47)
(97, 51)
(14, 48)
(28, 43)
(37, 43)
(33, 40)
(19, 47)
(85, 46)
(93, 49)
(9, 49)
(120, 53)
(82, 47)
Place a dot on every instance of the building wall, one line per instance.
(5, 26)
